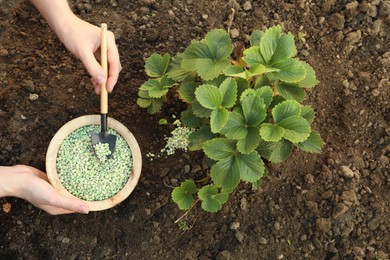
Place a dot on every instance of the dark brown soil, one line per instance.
(333, 205)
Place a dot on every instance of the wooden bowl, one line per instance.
(71, 126)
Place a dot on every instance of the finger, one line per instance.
(67, 204)
(114, 64)
(55, 210)
(93, 67)
(96, 86)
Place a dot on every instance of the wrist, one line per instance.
(11, 181)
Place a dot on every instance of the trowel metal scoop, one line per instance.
(104, 137)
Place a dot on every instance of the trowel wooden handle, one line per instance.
(103, 63)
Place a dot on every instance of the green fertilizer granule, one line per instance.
(89, 175)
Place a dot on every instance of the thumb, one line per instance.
(94, 68)
(71, 204)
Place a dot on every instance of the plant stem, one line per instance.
(231, 18)
(188, 211)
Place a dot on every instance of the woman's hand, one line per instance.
(83, 40)
(32, 185)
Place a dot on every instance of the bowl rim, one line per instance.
(71, 126)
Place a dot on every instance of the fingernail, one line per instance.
(83, 209)
(100, 79)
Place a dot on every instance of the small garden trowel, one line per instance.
(104, 137)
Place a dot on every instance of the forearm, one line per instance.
(57, 14)
(10, 182)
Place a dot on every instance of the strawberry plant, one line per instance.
(244, 104)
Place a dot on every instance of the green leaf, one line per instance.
(216, 81)
(256, 37)
(286, 109)
(187, 91)
(285, 49)
(251, 167)
(199, 137)
(266, 94)
(209, 96)
(313, 144)
(262, 81)
(226, 173)
(310, 79)
(259, 69)
(252, 56)
(277, 100)
(253, 110)
(143, 94)
(291, 91)
(296, 128)
(156, 65)
(236, 71)
(177, 72)
(228, 89)
(218, 119)
(143, 102)
(269, 42)
(183, 195)
(155, 106)
(200, 111)
(219, 148)
(275, 152)
(250, 142)
(271, 133)
(291, 71)
(209, 69)
(242, 85)
(211, 200)
(157, 87)
(308, 113)
(219, 43)
(235, 127)
(189, 119)
(209, 57)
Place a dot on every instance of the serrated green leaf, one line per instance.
(236, 71)
(308, 113)
(200, 111)
(246, 93)
(189, 119)
(155, 106)
(313, 144)
(310, 79)
(275, 152)
(187, 91)
(250, 142)
(251, 167)
(262, 81)
(219, 148)
(269, 42)
(291, 91)
(156, 65)
(271, 133)
(252, 56)
(259, 69)
(235, 127)
(220, 44)
(253, 110)
(228, 89)
(291, 71)
(286, 109)
(197, 138)
(296, 128)
(226, 173)
(143, 102)
(177, 72)
(183, 195)
(157, 87)
(209, 69)
(211, 200)
(256, 37)
(276, 100)
(266, 94)
(242, 85)
(217, 81)
(143, 94)
(218, 119)
(285, 49)
(209, 96)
